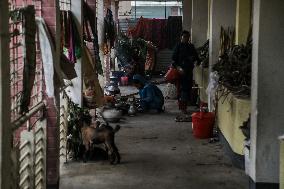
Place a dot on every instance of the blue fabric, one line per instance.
(151, 97)
(140, 78)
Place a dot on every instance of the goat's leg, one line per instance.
(76, 147)
(114, 156)
(110, 151)
(85, 155)
(117, 153)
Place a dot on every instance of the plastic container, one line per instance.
(172, 75)
(202, 124)
(124, 81)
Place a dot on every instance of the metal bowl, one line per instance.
(112, 115)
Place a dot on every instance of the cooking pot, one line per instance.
(112, 115)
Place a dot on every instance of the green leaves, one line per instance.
(76, 117)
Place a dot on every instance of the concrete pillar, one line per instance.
(187, 14)
(100, 26)
(281, 178)
(222, 13)
(243, 20)
(208, 21)
(199, 22)
(267, 92)
(116, 11)
(5, 121)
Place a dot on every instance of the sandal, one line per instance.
(183, 118)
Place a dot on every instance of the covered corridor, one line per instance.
(158, 153)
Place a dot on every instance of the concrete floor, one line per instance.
(157, 153)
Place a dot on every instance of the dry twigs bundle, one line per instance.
(234, 69)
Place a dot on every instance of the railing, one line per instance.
(64, 5)
(63, 127)
(28, 154)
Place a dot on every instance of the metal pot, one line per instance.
(132, 110)
(112, 115)
(112, 89)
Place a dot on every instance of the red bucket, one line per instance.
(124, 81)
(172, 75)
(202, 124)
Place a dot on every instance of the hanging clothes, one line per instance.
(90, 78)
(29, 45)
(90, 22)
(47, 55)
(74, 51)
(174, 29)
(67, 68)
(153, 30)
(70, 37)
(150, 59)
(159, 36)
(109, 29)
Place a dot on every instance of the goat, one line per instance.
(100, 134)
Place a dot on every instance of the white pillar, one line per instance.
(222, 13)
(5, 121)
(267, 121)
(199, 24)
(187, 14)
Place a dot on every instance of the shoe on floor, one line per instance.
(183, 118)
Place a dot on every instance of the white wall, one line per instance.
(100, 17)
(187, 14)
(199, 22)
(75, 91)
(124, 9)
(222, 13)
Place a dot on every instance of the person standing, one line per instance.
(184, 58)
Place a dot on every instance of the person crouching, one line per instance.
(151, 97)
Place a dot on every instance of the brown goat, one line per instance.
(100, 134)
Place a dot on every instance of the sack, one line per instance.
(172, 75)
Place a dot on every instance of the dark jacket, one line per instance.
(184, 56)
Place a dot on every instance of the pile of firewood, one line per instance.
(234, 69)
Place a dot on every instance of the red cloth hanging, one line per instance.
(153, 30)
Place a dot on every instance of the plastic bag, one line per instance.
(213, 84)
